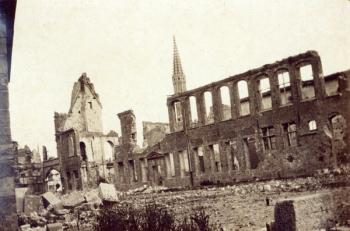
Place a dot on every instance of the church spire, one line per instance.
(179, 79)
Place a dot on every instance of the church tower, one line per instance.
(179, 78)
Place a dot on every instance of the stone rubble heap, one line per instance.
(74, 211)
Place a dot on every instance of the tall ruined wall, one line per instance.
(8, 149)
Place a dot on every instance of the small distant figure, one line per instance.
(267, 201)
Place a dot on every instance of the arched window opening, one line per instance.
(265, 101)
(178, 123)
(83, 151)
(243, 98)
(225, 103)
(109, 149)
(208, 98)
(194, 112)
(284, 87)
(53, 181)
(307, 82)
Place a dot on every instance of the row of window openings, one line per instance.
(269, 141)
(264, 91)
(289, 135)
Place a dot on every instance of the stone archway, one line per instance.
(53, 181)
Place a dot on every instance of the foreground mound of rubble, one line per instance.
(74, 211)
(78, 210)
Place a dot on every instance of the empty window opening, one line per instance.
(232, 147)
(90, 105)
(208, 99)
(332, 84)
(289, 134)
(269, 138)
(284, 88)
(200, 165)
(178, 116)
(243, 97)
(109, 150)
(307, 82)
(144, 169)
(133, 136)
(70, 146)
(184, 165)
(215, 153)
(169, 164)
(312, 125)
(132, 171)
(194, 112)
(225, 103)
(265, 101)
(246, 153)
(83, 151)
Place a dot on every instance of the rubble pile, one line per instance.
(73, 211)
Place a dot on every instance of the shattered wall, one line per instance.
(85, 153)
(29, 171)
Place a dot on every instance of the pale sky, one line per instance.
(126, 49)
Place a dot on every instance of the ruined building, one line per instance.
(29, 170)
(85, 154)
(283, 119)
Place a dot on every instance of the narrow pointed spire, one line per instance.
(179, 79)
(177, 68)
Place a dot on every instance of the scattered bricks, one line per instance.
(32, 203)
(50, 199)
(61, 212)
(55, 227)
(92, 196)
(107, 192)
(25, 227)
(73, 199)
(38, 228)
(20, 194)
(312, 212)
(267, 188)
(73, 225)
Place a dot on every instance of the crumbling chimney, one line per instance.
(44, 153)
(128, 127)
